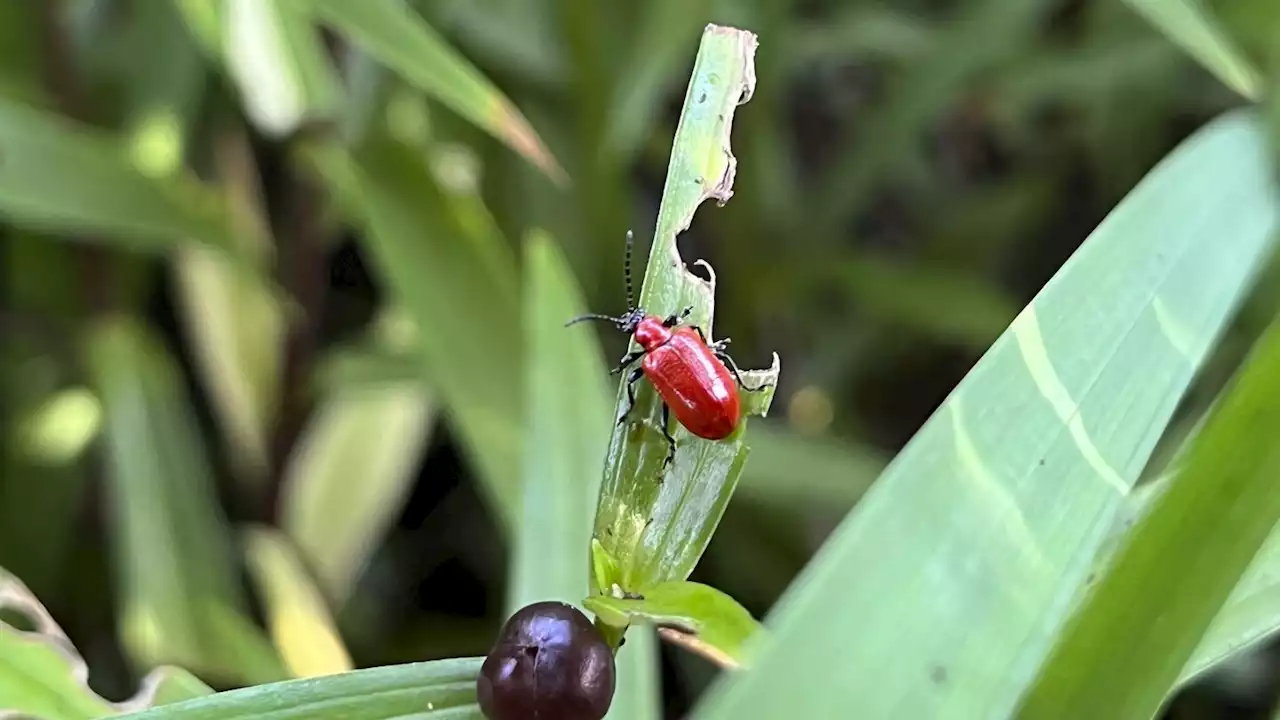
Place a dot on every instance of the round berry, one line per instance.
(549, 662)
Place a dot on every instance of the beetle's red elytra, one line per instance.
(694, 379)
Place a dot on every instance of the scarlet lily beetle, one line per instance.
(694, 378)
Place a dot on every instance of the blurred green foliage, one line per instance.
(263, 265)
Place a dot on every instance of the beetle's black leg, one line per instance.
(673, 320)
(671, 441)
(631, 393)
(630, 358)
(717, 346)
(733, 368)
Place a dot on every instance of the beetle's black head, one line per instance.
(628, 321)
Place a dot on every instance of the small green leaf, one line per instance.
(42, 675)
(720, 625)
(656, 521)
(59, 176)
(444, 689)
(1192, 26)
(398, 37)
(1124, 649)
(181, 600)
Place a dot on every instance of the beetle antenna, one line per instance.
(594, 316)
(626, 269)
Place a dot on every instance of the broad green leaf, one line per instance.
(992, 514)
(426, 691)
(1192, 26)
(656, 521)
(668, 32)
(279, 63)
(458, 282)
(59, 176)
(399, 38)
(353, 468)
(567, 425)
(1124, 649)
(41, 673)
(300, 624)
(718, 625)
(234, 322)
(180, 597)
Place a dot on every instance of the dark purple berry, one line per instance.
(549, 663)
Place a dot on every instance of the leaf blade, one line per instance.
(441, 688)
(1124, 649)
(685, 502)
(1192, 27)
(402, 40)
(986, 541)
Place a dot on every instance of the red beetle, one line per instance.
(694, 379)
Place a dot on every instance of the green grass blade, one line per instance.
(59, 176)
(278, 61)
(1123, 650)
(233, 321)
(399, 38)
(962, 560)
(1250, 615)
(567, 424)
(452, 280)
(1192, 26)
(442, 689)
(41, 673)
(375, 431)
(181, 599)
(683, 503)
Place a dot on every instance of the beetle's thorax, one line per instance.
(650, 333)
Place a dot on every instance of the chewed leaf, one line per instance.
(655, 520)
(700, 617)
(42, 675)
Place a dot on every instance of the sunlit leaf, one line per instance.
(297, 616)
(279, 62)
(1126, 646)
(992, 514)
